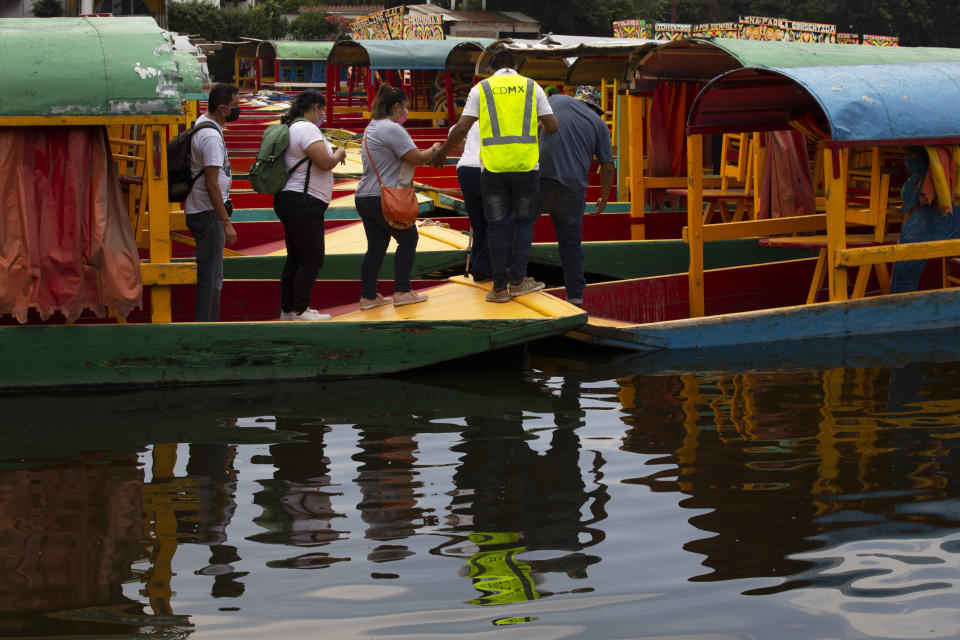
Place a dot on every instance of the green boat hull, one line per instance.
(340, 266)
(39, 357)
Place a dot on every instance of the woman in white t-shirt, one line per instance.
(301, 205)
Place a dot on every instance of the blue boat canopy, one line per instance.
(457, 56)
(857, 105)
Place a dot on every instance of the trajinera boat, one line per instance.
(877, 128)
(90, 294)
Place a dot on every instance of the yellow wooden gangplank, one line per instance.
(460, 298)
(351, 239)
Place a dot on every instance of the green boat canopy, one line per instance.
(701, 60)
(294, 50)
(88, 67)
(455, 56)
(192, 74)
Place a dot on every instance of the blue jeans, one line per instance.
(302, 218)
(509, 236)
(923, 222)
(378, 234)
(469, 178)
(208, 233)
(566, 210)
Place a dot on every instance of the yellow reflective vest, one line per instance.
(508, 123)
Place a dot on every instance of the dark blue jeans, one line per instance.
(509, 236)
(378, 234)
(924, 224)
(566, 210)
(302, 218)
(469, 178)
(208, 234)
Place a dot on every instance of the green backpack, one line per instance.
(268, 174)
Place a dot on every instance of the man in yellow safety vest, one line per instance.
(504, 105)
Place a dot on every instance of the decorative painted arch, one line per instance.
(701, 60)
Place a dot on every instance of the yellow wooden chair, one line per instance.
(872, 203)
(738, 177)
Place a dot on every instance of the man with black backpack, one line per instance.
(207, 206)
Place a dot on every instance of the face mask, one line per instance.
(402, 116)
(321, 117)
(234, 114)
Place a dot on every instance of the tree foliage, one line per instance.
(48, 8)
(201, 18)
(265, 21)
(310, 25)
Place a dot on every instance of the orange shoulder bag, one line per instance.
(399, 205)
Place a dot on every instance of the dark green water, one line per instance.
(546, 492)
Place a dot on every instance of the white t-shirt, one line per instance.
(302, 135)
(471, 148)
(207, 149)
(472, 107)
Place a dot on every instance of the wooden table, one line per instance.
(718, 199)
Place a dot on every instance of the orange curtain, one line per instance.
(65, 239)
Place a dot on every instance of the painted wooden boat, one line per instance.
(444, 244)
(439, 249)
(873, 106)
(583, 361)
(454, 323)
(158, 345)
(749, 307)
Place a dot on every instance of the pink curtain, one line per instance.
(65, 238)
(787, 188)
(667, 150)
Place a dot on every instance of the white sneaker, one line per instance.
(311, 315)
(288, 315)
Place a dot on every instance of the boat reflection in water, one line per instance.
(835, 488)
(571, 492)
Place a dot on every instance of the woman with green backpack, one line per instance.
(309, 160)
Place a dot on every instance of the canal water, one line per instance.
(540, 492)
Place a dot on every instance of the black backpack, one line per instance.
(179, 177)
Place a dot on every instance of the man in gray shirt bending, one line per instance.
(565, 158)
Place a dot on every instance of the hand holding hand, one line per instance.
(438, 156)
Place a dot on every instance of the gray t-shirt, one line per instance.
(387, 142)
(565, 156)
